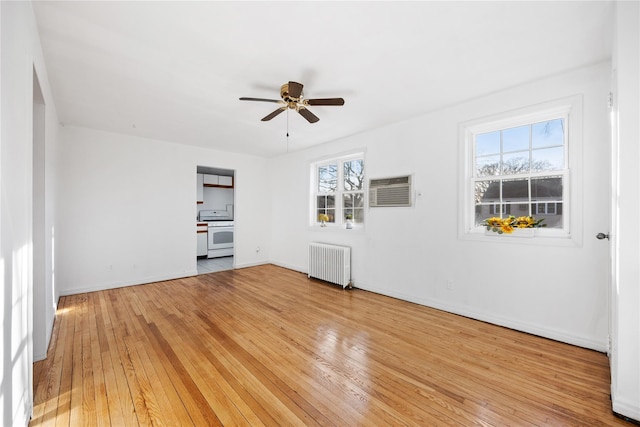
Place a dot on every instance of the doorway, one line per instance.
(215, 203)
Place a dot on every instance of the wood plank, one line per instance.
(95, 368)
(50, 378)
(268, 346)
(121, 407)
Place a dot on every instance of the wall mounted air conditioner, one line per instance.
(394, 191)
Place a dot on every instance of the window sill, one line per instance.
(330, 228)
(517, 233)
(523, 236)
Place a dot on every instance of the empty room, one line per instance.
(320, 213)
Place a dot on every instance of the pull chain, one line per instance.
(287, 130)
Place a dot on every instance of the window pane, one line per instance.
(515, 191)
(548, 134)
(487, 166)
(326, 205)
(358, 200)
(327, 178)
(358, 216)
(354, 175)
(353, 205)
(331, 213)
(546, 189)
(515, 163)
(488, 143)
(515, 139)
(482, 213)
(326, 202)
(347, 200)
(321, 203)
(548, 159)
(487, 192)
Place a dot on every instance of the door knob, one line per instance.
(601, 236)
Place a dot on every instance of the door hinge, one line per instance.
(610, 100)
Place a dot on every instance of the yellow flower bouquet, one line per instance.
(323, 218)
(507, 225)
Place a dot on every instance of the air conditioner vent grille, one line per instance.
(390, 191)
(383, 182)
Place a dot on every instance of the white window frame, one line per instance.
(568, 108)
(339, 208)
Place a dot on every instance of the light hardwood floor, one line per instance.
(267, 346)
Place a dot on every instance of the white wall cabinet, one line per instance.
(217, 181)
(210, 179)
(226, 181)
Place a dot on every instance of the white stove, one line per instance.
(219, 232)
(216, 214)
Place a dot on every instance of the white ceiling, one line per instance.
(175, 70)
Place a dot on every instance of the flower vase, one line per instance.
(517, 232)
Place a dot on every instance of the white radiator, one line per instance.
(330, 263)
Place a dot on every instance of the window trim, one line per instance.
(340, 159)
(571, 109)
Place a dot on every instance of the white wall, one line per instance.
(20, 55)
(410, 253)
(127, 209)
(625, 300)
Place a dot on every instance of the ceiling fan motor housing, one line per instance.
(290, 100)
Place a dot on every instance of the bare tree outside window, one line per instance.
(327, 178)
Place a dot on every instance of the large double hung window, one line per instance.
(519, 167)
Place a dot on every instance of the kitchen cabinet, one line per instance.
(210, 179)
(201, 231)
(200, 189)
(225, 181)
(217, 181)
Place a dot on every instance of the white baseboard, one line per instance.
(125, 283)
(250, 264)
(626, 409)
(290, 267)
(554, 334)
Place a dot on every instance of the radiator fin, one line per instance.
(330, 263)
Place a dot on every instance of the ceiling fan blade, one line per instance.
(273, 114)
(311, 118)
(324, 101)
(244, 98)
(295, 89)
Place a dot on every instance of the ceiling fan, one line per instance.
(292, 97)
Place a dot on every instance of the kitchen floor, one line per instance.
(211, 265)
